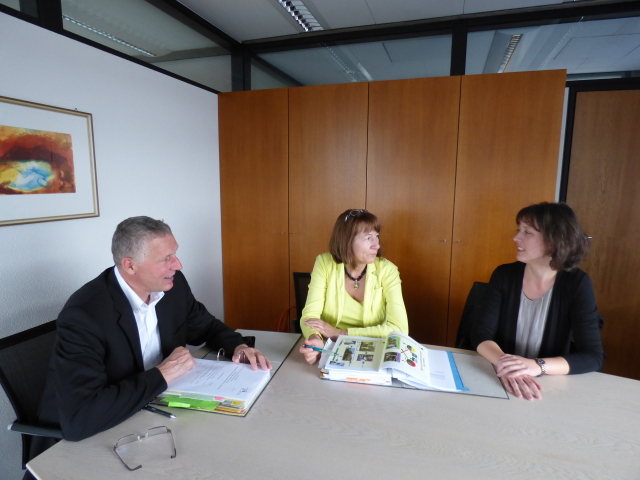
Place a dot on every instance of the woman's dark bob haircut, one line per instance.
(349, 224)
(566, 242)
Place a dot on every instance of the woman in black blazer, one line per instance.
(540, 315)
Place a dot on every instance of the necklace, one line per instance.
(355, 285)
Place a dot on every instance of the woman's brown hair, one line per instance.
(349, 224)
(566, 242)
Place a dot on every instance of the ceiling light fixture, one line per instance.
(511, 47)
(356, 72)
(301, 14)
(107, 35)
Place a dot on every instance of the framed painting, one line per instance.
(47, 163)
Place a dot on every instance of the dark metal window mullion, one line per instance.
(48, 13)
(459, 50)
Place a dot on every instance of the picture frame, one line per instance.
(47, 163)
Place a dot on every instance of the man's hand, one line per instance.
(245, 354)
(178, 363)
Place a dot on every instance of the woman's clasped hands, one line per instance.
(516, 374)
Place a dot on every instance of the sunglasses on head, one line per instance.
(352, 213)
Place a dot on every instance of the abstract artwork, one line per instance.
(47, 165)
(33, 161)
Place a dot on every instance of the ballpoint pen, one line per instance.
(317, 349)
(158, 411)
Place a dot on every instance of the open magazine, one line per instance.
(378, 360)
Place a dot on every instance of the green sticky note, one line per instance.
(171, 398)
(208, 405)
(184, 402)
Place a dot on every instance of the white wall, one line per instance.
(156, 142)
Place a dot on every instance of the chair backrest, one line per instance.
(301, 288)
(24, 363)
(472, 308)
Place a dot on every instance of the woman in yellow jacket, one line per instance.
(354, 290)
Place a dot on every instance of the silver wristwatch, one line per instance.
(543, 366)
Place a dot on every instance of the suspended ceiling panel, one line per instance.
(245, 19)
(254, 19)
(477, 6)
(352, 13)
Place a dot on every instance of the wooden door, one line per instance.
(508, 150)
(254, 197)
(327, 164)
(413, 132)
(604, 175)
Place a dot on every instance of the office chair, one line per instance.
(301, 282)
(472, 308)
(24, 362)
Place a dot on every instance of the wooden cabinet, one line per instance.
(488, 144)
(508, 150)
(445, 163)
(327, 164)
(603, 190)
(254, 194)
(411, 170)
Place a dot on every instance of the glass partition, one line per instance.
(362, 62)
(15, 4)
(606, 48)
(263, 77)
(139, 29)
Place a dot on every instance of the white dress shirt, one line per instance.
(147, 322)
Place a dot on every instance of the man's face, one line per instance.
(156, 270)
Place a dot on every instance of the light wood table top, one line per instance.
(586, 427)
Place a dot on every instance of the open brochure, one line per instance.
(213, 386)
(378, 360)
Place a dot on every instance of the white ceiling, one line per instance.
(586, 47)
(254, 19)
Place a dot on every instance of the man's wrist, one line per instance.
(240, 348)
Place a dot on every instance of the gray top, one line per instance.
(532, 317)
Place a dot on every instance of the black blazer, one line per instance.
(96, 378)
(572, 328)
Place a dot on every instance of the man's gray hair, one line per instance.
(131, 236)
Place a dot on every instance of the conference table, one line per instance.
(301, 427)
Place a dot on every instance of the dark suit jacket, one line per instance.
(96, 377)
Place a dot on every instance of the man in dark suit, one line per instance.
(122, 336)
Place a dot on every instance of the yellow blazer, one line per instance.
(383, 310)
